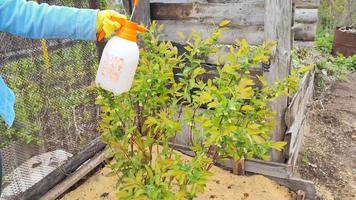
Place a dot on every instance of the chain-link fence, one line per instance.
(55, 107)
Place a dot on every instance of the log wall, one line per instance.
(246, 16)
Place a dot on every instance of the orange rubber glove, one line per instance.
(104, 25)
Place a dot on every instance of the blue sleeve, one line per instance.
(7, 102)
(32, 20)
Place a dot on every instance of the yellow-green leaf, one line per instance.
(180, 195)
(245, 93)
(278, 145)
(304, 69)
(244, 82)
(263, 80)
(160, 28)
(224, 23)
(266, 157)
(205, 97)
(244, 48)
(258, 139)
(260, 58)
(213, 104)
(247, 108)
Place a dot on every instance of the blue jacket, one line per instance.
(31, 20)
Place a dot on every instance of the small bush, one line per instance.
(324, 41)
(226, 116)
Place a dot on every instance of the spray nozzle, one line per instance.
(128, 29)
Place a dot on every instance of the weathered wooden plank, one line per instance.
(308, 44)
(296, 184)
(253, 34)
(306, 15)
(127, 6)
(305, 32)
(74, 178)
(240, 14)
(40, 188)
(295, 148)
(307, 3)
(267, 168)
(142, 13)
(297, 106)
(278, 23)
(296, 117)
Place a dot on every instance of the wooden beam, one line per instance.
(142, 13)
(298, 105)
(306, 16)
(296, 184)
(253, 34)
(59, 189)
(267, 168)
(278, 23)
(127, 6)
(40, 188)
(304, 32)
(296, 116)
(307, 44)
(307, 3)
(240, 14)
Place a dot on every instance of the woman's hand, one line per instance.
(105, 26)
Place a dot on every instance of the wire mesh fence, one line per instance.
(55, 107)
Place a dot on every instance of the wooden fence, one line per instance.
(247, 18)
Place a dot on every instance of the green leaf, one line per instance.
(278, 145)
(224, 23)
(266, 157)
(213, 104)
(205, 97)
(262, 79)
(247, 108)
(245, 93)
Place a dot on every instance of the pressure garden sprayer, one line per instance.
(120, 57)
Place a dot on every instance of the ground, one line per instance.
(222, 186)
(329, 154)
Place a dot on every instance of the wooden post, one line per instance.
(142, 14)
(278, 24)
(127, 6)
(238, 167)
(94, 4)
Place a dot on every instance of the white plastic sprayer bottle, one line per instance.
(120, 59)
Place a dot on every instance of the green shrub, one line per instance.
(324, 41)
(227, 116)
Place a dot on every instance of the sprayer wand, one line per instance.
(134, 9)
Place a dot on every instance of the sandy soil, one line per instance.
(223, 186)
(329, 156)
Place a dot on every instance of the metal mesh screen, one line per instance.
(55, 108)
